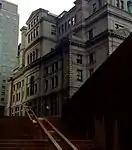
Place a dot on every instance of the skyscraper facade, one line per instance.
(9, 22)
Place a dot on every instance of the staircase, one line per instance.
(32, 133)
(74, 138)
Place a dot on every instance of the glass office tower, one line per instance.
(9, 22)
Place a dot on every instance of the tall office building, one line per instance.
(9, 21)
(59, 53)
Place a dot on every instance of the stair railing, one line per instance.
(61, 135)
(52, 140)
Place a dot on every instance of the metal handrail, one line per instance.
(61, 135)
(55, 144)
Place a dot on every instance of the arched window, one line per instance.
(28, 60)
(34, 56)
(31, 57)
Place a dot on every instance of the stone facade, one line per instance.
(59, 53)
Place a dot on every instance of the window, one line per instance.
(92, 58)
(53, 29)
(35, 87)
(59, 30)
(52, 49)
(79, 75)
(0, 5)
(62, 28)
(36, 53)
(91, 72)
(46, 85)
(37, 31)
(19, 96)
(32, 24)
(37, 18)
(22, 82)
(56, 66)
(22, 94)
(47, 70)
(19, 85)
(56, 81)
(117, 3)
(34, 33)
(32, 85)
(27, 91)
(2, 93)
(129, 6)
(34, 56)
(122, 4)
(3, 87)
(118, 26)
(29, 27)
(79, 59)
(90, 34)
(13, 100)
(31, 57)
(94, 7)
(4, 81)
(100, 3)
(28, 59)
(69, 23)
(65, 26)
(52, 68)
(73, 20)
(2, 99)
(29, 38)
(14, 87)
(52, 81)
(35, 21)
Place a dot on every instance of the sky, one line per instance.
(26, 7)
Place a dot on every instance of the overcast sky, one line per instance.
(26, 7)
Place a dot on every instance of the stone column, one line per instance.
(100, 133)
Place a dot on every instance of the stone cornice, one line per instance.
(102, 35)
